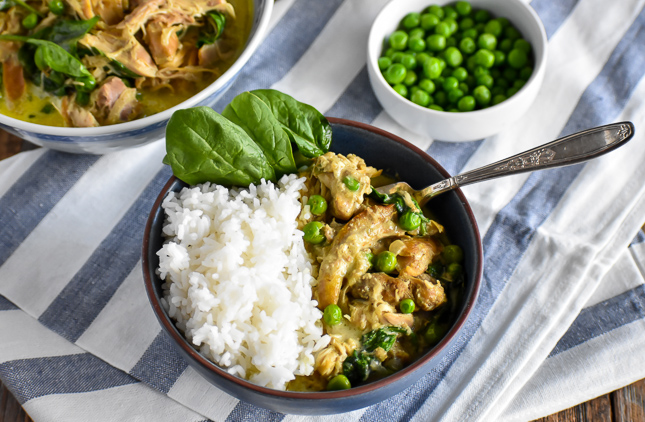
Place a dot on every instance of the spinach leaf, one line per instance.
(202, 146)
(356, 367)
(66, 32)
(6, 4)
(54, 56)
(254, 116)
(216, 22)
(382, 337)
(306, 126)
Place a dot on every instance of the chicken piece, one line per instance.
(111, 11)
(83, 8)
(329, 361)
(333, 170)
(366, 228)
(376, 287)
(163, 42)
(126, 50)
(115, 102)
(13, 79)
(398, 319)
(210, 54)
(75, 115)
(416, 255)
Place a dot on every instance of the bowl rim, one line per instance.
(540, 67)
(181, 341)
(252, 43)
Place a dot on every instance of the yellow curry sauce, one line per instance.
(377, 335)
(35, 104)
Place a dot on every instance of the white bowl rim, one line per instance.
(252, 45)
(540, 67)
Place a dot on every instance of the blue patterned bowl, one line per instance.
(397, 157)
(104, 139)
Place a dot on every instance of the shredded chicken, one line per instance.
(13, 79)
(114, 102)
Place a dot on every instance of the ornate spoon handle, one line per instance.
(572, 149)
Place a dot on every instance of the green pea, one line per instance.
(313, 232)
(449, 12)
(57, 7)
(480, 70)
(487, 41)
(471, 81)
(436, 268)
(482, 16)
(518, 84)
(452, 25)
(422, 58)
(454, 95)
(484, 58)
(504, 22)
(87, 84)
(408, 61)
(417, 44)
(517, 58)
(463, 8)
(467, 45)
(395, 74)
(522, 44)
(482, 95)
(401, 89)
(434, 333)
(497, 90)
(453, 253)
(420, 97)
(451, 42)
(432, 68)
(410, 78)
(466, 23)
(502, 83)
(369, 256)
(410, 221)
(436, 107)
(332, 315)
(511, 91)
(464, 87)
(411, 20)
(470, 33)
(441, 98)
(427, 85)
(526, 72)
(399, 40)
(339, 382)
(30, 21)
(480, 27)
(500, 57)
(443, 28)
(486, 80)
(511, 33)
(429, 21)
(436, 10)
(351, 183)
(386, 262)
(493, 27)
(466, 103)
(450, 83)
(390, 52)
(460, 74)
(453, 57)
(498, 99)
(416, 33)
(317, 204)
(436, 42)
(454, 270)
(505, 45)
(384, 63)
(407, 306)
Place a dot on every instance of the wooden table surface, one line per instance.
(624, 405)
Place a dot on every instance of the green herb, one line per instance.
(54, 56)
(382, 337)
(66, 32)
(6, 4)
(356, 367)
(203, 146)
(213, 31)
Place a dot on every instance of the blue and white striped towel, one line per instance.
(561, 317)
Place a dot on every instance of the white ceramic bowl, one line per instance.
(104, 139)
(457, 127)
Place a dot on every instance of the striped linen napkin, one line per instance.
(561, 315)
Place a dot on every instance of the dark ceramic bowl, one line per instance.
(397, 157)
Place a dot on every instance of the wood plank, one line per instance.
(596, 410)
(10, 409)
(629, 403)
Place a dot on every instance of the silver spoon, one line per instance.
(572, 149)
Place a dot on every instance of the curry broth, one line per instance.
(33, 106)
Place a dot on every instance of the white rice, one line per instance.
(238, 279)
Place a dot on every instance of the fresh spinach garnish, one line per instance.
(66, 32)
(202, 146)
(256, 114)
(216, 22)
(356, 367)
(6, 4)
(382, 337)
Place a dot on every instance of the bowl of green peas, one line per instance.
(456, 70)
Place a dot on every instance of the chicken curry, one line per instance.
(388, 278)
(85, 63)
